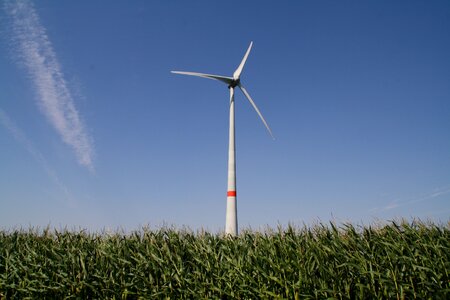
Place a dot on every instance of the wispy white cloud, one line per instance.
(391, 205)
(21, 138)
(36, 53)
(396, 203)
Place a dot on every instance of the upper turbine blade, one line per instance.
(224, 79)
(238, 71)
(256, 108)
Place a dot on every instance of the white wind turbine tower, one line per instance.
(231, 226)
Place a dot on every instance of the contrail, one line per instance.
(36, 53)
(21, 138)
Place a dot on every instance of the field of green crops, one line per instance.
(406, 261)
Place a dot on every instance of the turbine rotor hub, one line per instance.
(234, 83)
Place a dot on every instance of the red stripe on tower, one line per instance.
(231, 194)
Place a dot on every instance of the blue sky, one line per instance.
(95, 132)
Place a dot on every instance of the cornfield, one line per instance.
(395, 261)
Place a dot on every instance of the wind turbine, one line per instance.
(231, 225)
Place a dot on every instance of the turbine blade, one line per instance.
(237, 73)
(224, 79)
(256, 108)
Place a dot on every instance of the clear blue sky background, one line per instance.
(357, 94)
